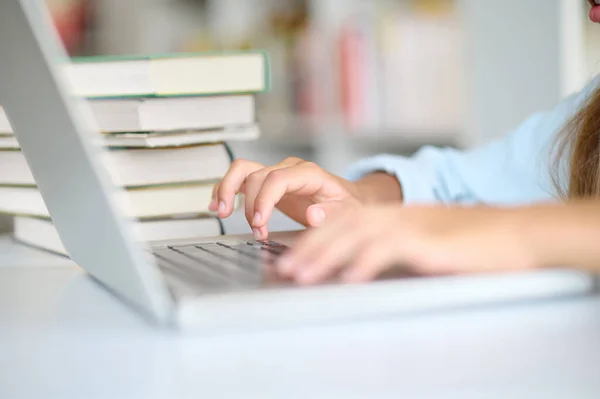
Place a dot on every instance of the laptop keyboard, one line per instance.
(220, 266)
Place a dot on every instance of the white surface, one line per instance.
(13, 255)
(61, 336)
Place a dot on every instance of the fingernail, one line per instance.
(222, 207)
(256, 234)
(257, 219)
(319, 216)
(264, 232)
(213, 205)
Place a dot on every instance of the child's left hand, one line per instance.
(435, 240)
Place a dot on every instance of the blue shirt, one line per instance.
(513, 170)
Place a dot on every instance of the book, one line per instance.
(139, 203)
(6, 224)
(5, 127)
(421, 72)
(162, 139)
(166, 114)
(180, 138)
(71, 19)
(41, 233)
(169, 75)
(360, 84)
(138, 167)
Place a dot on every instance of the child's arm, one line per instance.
(515, 169)
(447, 240)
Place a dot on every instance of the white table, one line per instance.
(61, 336)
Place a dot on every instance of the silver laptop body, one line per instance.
(210, 283)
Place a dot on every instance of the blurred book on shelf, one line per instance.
(72, 21)
(421, 69)
(370, 67)
(399, 69)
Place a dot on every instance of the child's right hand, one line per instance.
(300, 189)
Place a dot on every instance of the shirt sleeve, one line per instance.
(513, 170)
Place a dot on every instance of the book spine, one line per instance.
(229, 152)
(6, 224)
(351, 75)
(221, 226)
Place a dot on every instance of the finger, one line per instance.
(323, 264)
(373, 258)
(302, 179)
(260, 233)
(231, 183)
(315, 215)
(318, 214)
(214, 202)
(313, 243)
(254, 184)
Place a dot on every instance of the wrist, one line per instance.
(527, 232)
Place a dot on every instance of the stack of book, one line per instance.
(165, 121)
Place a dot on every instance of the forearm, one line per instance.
(379, 188)
(563, 235)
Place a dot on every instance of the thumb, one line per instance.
(317, 214)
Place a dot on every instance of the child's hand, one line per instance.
(370, 240)
(301, 190)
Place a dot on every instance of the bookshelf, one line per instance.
(508, 59)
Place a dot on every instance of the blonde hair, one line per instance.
(579, 144)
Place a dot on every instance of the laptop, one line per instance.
(206, 284)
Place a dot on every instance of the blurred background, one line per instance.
(351, 78)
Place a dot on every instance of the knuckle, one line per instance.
(254, 177)
(239, 162)
(311, 165)
(275, 176)
(225, 192)
(292, 160)
(221, 189)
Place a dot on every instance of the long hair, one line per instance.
(579, 145)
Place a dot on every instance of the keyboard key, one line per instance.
(273, 244)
